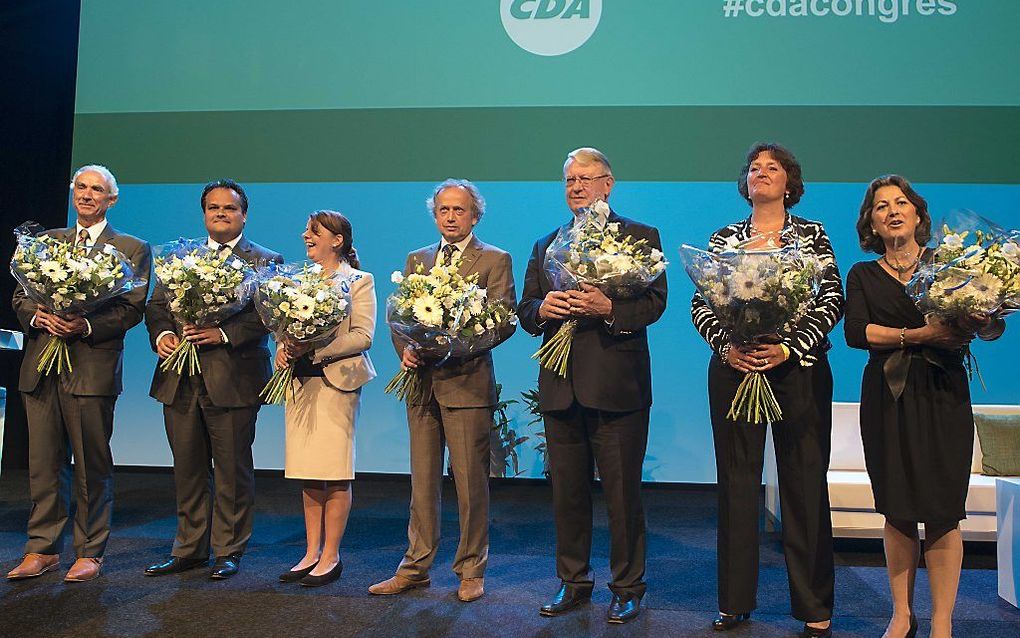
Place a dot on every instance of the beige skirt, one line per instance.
(320, 431)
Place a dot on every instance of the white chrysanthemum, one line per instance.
(746, 285)
(428, 311)
(53, 270)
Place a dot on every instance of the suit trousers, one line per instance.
(577, 439)
(466, 432)
(61, 426)
(214, 472)
(802, 441)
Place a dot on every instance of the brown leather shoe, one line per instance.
(34, 565)
(397, 585)
(84, 569)
(471, 589)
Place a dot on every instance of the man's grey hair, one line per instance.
(477, 201)
(111, 181)
(586, 156)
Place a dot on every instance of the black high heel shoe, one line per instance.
(328, 577)
(294, 575)
(815, 632)
(725, 622)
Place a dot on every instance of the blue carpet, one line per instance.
(681, 598)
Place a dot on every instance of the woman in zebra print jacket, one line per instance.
(798, 369)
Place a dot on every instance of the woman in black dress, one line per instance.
(916, 419)
(798, 369)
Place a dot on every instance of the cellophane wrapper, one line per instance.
(301, 305)
(203, 287)
(599, 255)
(66, 279)
(442, 314)
(756, 295)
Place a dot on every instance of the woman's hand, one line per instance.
(740, 358)
(941, 334)
(282, 361)
(769, 355)
(973, 324)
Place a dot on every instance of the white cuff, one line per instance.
(88, 329)
(160, 336)
(224, 335)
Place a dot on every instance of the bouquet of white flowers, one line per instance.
(974, 270)
(203, 287)
(442, 314)
(299, 304)
(68, 279)
(586, 252)
(756, 295)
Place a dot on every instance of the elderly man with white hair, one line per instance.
(596, 415)
(71, 416)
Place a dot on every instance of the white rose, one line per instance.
(397, 277)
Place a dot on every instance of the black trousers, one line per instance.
(214, 472)
(577, 439)
(802, 441)
(62, 425)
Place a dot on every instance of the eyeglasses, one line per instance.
(583, 180)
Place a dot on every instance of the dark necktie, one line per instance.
(448, 251)
(83, 237)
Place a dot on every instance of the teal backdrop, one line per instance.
(363, 106)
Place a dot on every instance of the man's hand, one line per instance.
(166, 346)
(203, 336)
(410, 359)
(589, 301)
(64, 327)
(556, 305)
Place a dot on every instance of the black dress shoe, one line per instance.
(225, 567)
(565, 599)
(624, 608)
(175, 565)
(328, 577)
(815, 632)
(725, 622)
(294, 575)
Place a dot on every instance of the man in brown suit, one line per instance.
(70, 415)
(457, 408)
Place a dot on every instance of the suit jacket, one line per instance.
(347, 365)
(235, 372)
(98, 358)
(609, 364)
(468, 382)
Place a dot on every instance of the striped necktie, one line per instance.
(448, 251)
(83, 238)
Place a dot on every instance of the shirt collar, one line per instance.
(94, 231)
(461, 245)
(213, 244)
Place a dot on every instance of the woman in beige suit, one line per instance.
(320, 417)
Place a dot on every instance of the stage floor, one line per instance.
(681, 598)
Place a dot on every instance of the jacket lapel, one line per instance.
(471, 255)
(429, 257)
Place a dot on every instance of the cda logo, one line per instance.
(550, 27)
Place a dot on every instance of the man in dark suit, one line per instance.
(71, 414)
(456, 409)
(599, 411)
(210, 417)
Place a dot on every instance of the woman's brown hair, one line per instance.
(870, 241)
(337, 224)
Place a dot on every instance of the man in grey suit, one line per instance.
(71, 414)
(457, 408)
(210, 417)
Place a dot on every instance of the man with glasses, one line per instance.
(598, 413)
